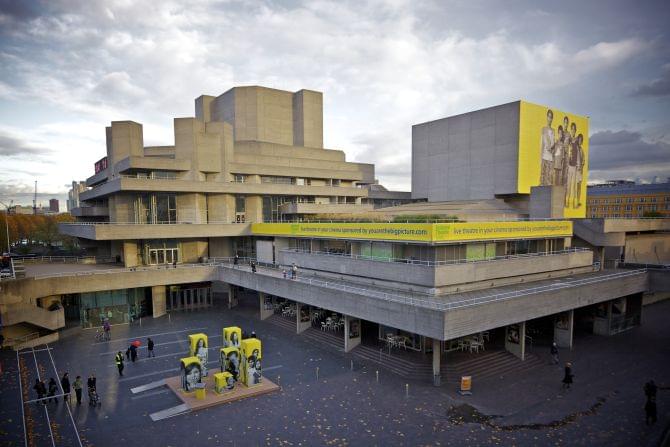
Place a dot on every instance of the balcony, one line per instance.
(104, 231)
(90, 211)
(443, 273)
(324, 208)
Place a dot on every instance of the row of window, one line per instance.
(630, 208)
(665, 199)
(299, 181)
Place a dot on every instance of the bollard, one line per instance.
(169, 318)
(352, 365)
(317, 373)
(377, 373)
(278, 384)
(407, 390)
(140, 321)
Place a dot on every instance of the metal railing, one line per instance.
(20, 340)
(144, 268)
(67, 259)
(179, 222)
(441, 304)
(437, 263)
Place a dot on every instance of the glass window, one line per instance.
(240, 204)
(240, 178)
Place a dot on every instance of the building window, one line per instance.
(276, 179)
(643, 199)
(240, 178)
(640, 208)
(629, 200)
(629, 208)
(617, 200)
(653, 200)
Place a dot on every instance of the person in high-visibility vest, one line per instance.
(119, 362)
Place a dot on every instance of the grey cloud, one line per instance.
(657, 87)
(14, 147)
(626, 154)
(20, 10)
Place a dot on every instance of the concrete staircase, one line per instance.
(492, 365)
(37, 316)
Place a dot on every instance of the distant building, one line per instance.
(53, 205)
(73, 195)
(19, 209)
(624, 199)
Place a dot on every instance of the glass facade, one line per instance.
(155, 208)
(119, 306)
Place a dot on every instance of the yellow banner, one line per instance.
(554, 150)
(440, 232)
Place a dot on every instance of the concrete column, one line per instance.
(352, 333)
(266, 307)
(515, 339)
(602, 320)
(563, 329)
(302, 318)
(232, 299)
(158, 301)
(130, 254)
(437, 377)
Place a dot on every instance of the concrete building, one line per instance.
(53, 206)
(628, 200)
(179, 226)
(73, 195)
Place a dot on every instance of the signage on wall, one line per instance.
(101, 165)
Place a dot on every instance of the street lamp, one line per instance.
(9, 248)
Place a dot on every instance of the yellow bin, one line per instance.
(200, 391)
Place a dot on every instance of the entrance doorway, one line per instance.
(160, 256)
(189, 297)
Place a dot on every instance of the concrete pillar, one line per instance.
(352, 333)
(130, 254)
(515, 339)
(602, 320)
(302, 318)
(437, 351)
(265, 306)
(563, 329)
(158, 301)
(232, 299)
(254, 209)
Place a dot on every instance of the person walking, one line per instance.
(40, 389)
(150, 347)
(294, 271)
(554, 353)
(650, 410)
(567, 378)
(65, 384)
(92, 382)
(650, 389)
(119, 362)
(107, 328)
(236, 260)
(77, 389)
(253, 267)
(53, 387)
(133, 353)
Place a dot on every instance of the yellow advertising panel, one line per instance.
(251, 361)
(554, 150)
(223, 382)
(439, 232)
(464, 231)
(199, 348)
(367, 231)
(230, 361)
(191, 373)
(232, 336)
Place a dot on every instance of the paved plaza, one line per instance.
(342, 406)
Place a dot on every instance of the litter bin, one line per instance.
(200, 391)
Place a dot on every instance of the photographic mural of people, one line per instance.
(191, 376)
(232, 336)
(200, 350)
(233, 363)
(254, 368)
(562, 158)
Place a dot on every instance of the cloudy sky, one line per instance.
(69, 67)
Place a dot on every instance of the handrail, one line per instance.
(123, 270)
(65, 259)
(437, 263)
(180, 222)
(440, 304)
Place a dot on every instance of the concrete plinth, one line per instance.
(437, 376)
(303, 319)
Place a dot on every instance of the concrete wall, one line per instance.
(648, 248)
(547, 202)
(308, 118)
(472, 156)
(166, 231)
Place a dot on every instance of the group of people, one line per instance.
(563, 159)
(294, 272)
(46, 393)
(132, 355)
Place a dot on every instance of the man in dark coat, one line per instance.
(567, 378)
(65, 384)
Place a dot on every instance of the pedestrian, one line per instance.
(92, 382)
(107, 329)
(294, 271)
(567, 378)
(284, 273)
(40, 389)
(236, 260)
(65, 384)
(650, 389)
(53, 387)
(77, 389)
(150, 347)
(133, 353)
(554, 353)
(119, 362)
(253, 334)
(128, 353)
(650, 410)
(253, 267)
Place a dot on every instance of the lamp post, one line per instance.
(9, 248)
